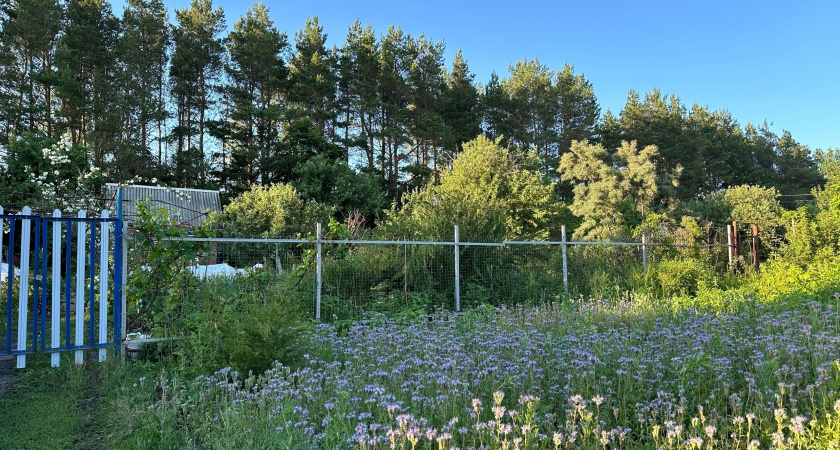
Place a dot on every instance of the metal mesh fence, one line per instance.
(404, 277)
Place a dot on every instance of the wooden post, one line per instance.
(756, 242)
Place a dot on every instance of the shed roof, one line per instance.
(187, 206)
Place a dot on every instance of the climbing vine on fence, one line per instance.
(161, 286)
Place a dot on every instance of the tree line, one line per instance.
(356, 126)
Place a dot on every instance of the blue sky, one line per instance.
(772, 60)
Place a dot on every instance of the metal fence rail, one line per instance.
(358, 273)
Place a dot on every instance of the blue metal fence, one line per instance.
(92, 298)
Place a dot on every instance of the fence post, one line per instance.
(756, 242)
(81, 244)
(120, 277)
(736, 250)
(55, 325)
(123, 284)
(318, 272)
(23, 295)
(457, 272)
(565, 263)
(104, 240)
(644, 251)
(729, 249)
(2, 226)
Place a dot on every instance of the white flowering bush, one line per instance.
(46, 174)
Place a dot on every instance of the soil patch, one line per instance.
(88, 438)
(8, 374)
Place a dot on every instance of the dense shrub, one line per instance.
(492, 194)
(678, 277)
(247, 322)
(814, 232)
(161, 289)
(260, 328)
(274, 211)
(46, 174)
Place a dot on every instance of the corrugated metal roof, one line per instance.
(188, 206)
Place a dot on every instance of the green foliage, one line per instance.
(245, 322)
(143, 54)
(542, 111)
(335, 230)
(460, 106)
(194, 72)
(27, 74)
(713, 150)
(782, 280)
(814, 233)
(258, 328)
(753, 204)
(274, 211)
(605, 184)
(334, 183)
(161, 290)
(685, 277)
(257, 74)
(492, 193)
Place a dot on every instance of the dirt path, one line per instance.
(88, 438)
(8, 373)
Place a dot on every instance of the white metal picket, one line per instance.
(81, 245)
(55, 331)
(23, 296)
(41, 317)
(103, 285)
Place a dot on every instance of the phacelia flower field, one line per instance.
(588, 375)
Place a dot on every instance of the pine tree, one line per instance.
(533, 108)
(460, 107)
(396, 55)
(494, 108)
(423, 117)
(194, 74)
(87, 71)
(313, 79)
(27, 74)
(143, 54)
(578, 108)
(257, 77)
(358, 98)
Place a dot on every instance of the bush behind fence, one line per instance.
(407, 277)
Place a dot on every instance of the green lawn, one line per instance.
(48, 408)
